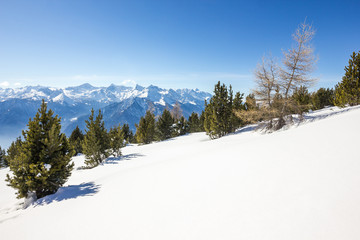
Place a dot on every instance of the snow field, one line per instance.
(300, 183)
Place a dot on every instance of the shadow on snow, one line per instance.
(70, 192)
(116, 160)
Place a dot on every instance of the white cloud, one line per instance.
(17, 84)
(128, 82)
(5, 84)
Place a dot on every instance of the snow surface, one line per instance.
(300, 183)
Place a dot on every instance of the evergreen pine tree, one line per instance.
(3, 160)
(181, 127)
(348, 90)
(202, 120)
(76, 139)
(13, 150)
(219, 112)
(96, 140)
(194, 123)
(116, 136)
(301, 101)
(236, 107)
(145, 131)
(322, 98)
(128, 134)
(164, 126)
(41, 163)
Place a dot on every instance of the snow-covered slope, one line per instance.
(300, 183)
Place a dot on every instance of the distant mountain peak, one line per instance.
(121, 104)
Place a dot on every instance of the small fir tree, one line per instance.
(202, 120)
(164, 126)
(301, 101)
(96, 140)
(14, 149)
(76, 139)
(194, 123)
(117, 141)
(181, 127)
(41, 163)
(3, 159)
(219, 113)
(348, 90)
(145, 131)
(236, 107)
(128, 134)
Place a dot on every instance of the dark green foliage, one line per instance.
(238, 101)
(194, 123)
(181, 127)
(322, 98)
(76, 139)
(3, 159)
(116, 136)
(164, 126)
(14, 149)
(219, 113)
(237, 106)
(145, 131)
(96, 140)
(128, 134)
(301, 99)
(348, 90)
(41, 163)
(202, 120)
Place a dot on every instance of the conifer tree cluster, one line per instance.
(194, 123)
(41, 163)
(347, 92)
(76, 138)
(168, 125)
(128, 134)
(219, 112)
(322, 97)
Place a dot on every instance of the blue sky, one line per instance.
(171, 44)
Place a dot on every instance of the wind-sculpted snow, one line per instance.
(298, 183)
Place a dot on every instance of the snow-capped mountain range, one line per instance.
(120, 104)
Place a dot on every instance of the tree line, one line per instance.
(40, 160)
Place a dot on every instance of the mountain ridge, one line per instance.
(119, 104)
